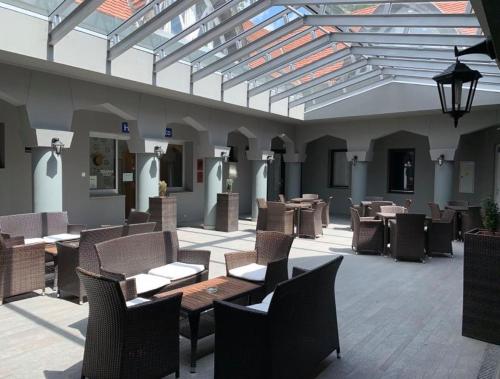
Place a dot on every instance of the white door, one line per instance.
(497, 174)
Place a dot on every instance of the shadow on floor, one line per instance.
(74, 371)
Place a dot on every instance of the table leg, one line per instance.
(194, 323)
(386, 231)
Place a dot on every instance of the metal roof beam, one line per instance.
(398, 71)
(344, 2)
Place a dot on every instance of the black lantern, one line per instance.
(457, 86)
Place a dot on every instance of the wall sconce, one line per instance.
(355, 160)
(57, 145)
(441, 160)
(159, 151)
(225, 156)
(270, 159)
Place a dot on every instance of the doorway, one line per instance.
(276, 170)
(126, 176)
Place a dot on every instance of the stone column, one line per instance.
(293, 177)
(47, 180)
(259, 184)
(213, 186)
(359, 173)
(443, 182)
(148, 177)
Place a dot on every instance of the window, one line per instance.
(172, 167)
(338, 169)
(402, 170)
(2, 146)
(102, 165)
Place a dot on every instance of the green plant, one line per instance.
(490, 218)
(162, 188)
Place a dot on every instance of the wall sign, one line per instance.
(168, 133)
(125, 128)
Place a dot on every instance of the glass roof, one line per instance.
(43, 7)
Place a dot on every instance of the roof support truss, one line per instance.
(343, 2)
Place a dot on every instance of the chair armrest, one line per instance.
(370, 221)
(119, 277)
(367, 218)
(75, 228)
(200, 257)
(13, 241)
(129, 289)
(296, 271)
(239, 259)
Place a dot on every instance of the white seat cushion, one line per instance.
(31, 241)
(60, 237)
(176, 270)
(252, 272)
(145, 282)
(268, 298)
(263, 307)
(137, 300)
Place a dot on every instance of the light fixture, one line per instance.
(457, 84)
(224, 155)
(57, 145)
(441, 160)
(159, 151)
(270, 159)
(355, 160)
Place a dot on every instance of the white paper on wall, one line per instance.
(467, 173)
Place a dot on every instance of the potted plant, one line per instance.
(481, 301)
(162, 188)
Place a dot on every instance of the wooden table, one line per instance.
(304, 200)
(196, 299)
(297, 207)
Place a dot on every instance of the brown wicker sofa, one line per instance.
(153, 261)
(285, 336)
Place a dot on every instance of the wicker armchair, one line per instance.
(310, 196)
(358, 207)
(436, 212)
(471, 220)
(325, 216)
(149, 256)
(281, 198)
(125, 340)
(143, 227)
(136, 217)
(22, 267)
(440, 234)
(368, 235)
(279, 218)
(262, 216)
(310, 221)
(392, 209)
(71, 255)
(288, 338)
(267, 264)
(374, 208)
(408, 237)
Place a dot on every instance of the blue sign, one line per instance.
(125, 127)
(168, 133)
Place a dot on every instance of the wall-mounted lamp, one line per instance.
(224, 155)
(355, 160)
(57, 145)
(441, 160)
(159, 151)
(270, 158)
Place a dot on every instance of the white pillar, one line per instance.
(148, 177)
(443, 183)
(259, 184)
(293, 175)
(213, 186)
(358, 181)
(47, 180)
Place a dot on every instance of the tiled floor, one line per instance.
(396, 319)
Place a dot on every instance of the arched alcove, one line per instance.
(239, 168)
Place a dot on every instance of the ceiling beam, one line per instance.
(213, 33)
(344, 2)
(149, 27)
(396, 20)
(73, 19)
(251, 47)
(398, 71)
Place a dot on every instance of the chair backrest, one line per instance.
(435, 211)
(392, 209)
(88, 259)
(448, 215)
(27, 225)
(355, 218)
(282, 198)
(136, 217)
(408, 203)
(375, 207)
(136, 253)
(275, 208)
(272, 246)
(102, 292)
(310, 196)
(303, 306)
(144, 227)
(374, 198)
(54, 223)
(410, 235)
(261, 203)
(350, 201)
(458, 203)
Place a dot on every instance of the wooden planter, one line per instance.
(228, 209)
(163, 211)
(481, 305)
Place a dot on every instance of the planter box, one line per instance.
(481, 304)
(228, 209)
(163, 210)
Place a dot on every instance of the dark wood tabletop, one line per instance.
(196, 298)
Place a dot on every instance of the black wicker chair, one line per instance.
(262, 215)
(408, 237)
(440, 234)
(289, 340)
(128, 341)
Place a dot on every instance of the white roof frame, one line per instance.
(344, 2)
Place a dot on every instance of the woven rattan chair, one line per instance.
(310, 221)
(325, 216)
(143, 227)
(392, 209)
(374, 208)
(125, 340)
(435, 211)
(358, 207)
(408, 237)
(267, 264)
(71, 255)
(136, 217)
(262, 215)
(368, 234)
(374, 198)
(22, 267)
(310, 196)
(279, 218)
(281, 198)
(440, 234)
(288, 338)
(471, 220)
